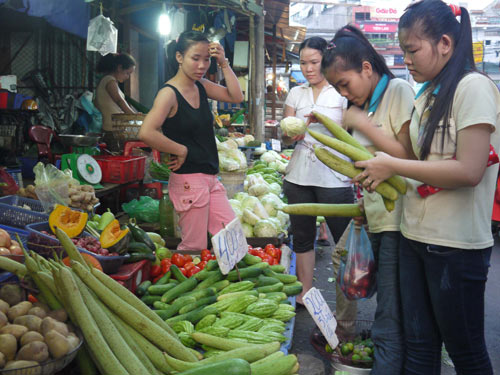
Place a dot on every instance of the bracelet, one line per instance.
(225, 64)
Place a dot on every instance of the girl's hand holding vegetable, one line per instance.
(376, 170)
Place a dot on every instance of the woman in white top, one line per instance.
(307, 179)
(109, 99)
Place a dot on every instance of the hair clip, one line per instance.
(331, 45)
(456, 10)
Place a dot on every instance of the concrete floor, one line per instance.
(313, 364)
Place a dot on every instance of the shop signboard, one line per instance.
(230, 246)
(322, 315)
(478, 51)
(385, 12)
(380, 27)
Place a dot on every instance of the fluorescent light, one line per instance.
(164, 24)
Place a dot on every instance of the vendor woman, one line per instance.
(181, 124)
(109, 99)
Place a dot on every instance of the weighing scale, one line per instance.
(84, 167)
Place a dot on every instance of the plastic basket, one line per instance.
(13, 214)
(126, 127)
(121, 169)
(17, 176)
(23, 236)
(132, 274)
(233, 182)
(44, 245)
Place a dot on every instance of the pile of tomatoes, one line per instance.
(186, 263)
(270, 254)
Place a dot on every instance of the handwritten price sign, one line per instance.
(230, 246)
(322, 315)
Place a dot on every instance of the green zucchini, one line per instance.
(140, 235)
(137, 257)
(139, 247)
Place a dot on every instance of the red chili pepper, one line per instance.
(155, 270)
(32, 298)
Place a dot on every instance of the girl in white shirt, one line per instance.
(307, 179)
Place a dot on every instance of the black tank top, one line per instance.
(194, 129)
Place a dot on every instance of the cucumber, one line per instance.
(143, 288)
(160, 289)
(278, 287)
(278, 366)
(201, 302)
(185, 286)
(201, 293)
(265, 280)
(194, 316)
(245, 273)
(165, 279)
(234, 366)
(177, 274)
(293, 289)
(250, 259)
(212, 265)
(140, 235)
(149, 300)
(137, 257)
(171, 310)
(219, 285)
(283, 277)
(278, 268)
(209, 281)
(139, 247)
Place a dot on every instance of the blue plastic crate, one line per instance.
(13, 214)
(44, 244)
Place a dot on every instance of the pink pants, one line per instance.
(202, 204)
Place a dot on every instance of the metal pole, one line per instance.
(251, 76)
(260, 72)
(274, 73)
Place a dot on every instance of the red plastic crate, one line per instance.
(132, 274)
(121, 169)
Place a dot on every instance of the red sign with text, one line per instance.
(380, 27)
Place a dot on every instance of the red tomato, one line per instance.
(193, 270)
(202, 264)
(188, 258)
(250, 248)
(273, 262)
(213, 257)
(267, 258)
(272, 251)
(205, 254)
(260, 254)
(178, 260)
(165, 265)
(253, 252)
(184, 271)
(155, 270)
(269, 246)
(188, 266)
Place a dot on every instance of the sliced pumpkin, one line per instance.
(89, 259)
(70, 221)
(114, 238)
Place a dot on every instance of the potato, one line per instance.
(4, 306)
(3, 319)
(59, 315)
(31, 322)
(49, 323)
(33, 351)
(42, 306)
(12, 294)
(14, 329)
(20, 309)
(73, 341)
(2, 360)
(22, 364)
(30, 336)
(8, 346)
(58, 344)
(38, 311)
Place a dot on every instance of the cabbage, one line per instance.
(275, 188)
(238, 156)
(284, 218)
(270, 156)
(249, 202)
(238, 213)
(253, 204)
(259, 189)
(249, 138)
(293, 126)
(245, 186)
(281, 166)
(272, 203)
(235, 203)
(249, 217)
(265, 228)
(240, 141)
(275, 221)
(227, 145)
(227, 164)
(247, 229)
(259, 151)
(240, 196)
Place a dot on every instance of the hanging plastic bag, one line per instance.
(357, 271)
(102, 35)
(52, 185)
(146, 209)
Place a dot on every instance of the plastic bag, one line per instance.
(146, 209)
(102, 35)
(357, 271)
(52, 185)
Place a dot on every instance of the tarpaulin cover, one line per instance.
(69, 15)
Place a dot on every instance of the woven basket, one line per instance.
(126, 127)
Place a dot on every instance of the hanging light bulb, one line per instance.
(164, 24)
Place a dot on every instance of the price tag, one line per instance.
(276, 145)
(230, 246)
(322, 315)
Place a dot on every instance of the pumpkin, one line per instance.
(70, 221)
(89, 259)
(114, 238)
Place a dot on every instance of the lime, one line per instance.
(368, 350)
(363, 353)
(345, 349)
(350, 345)
(366, 359)
(328, 348)
(356, 351)
(356, 358)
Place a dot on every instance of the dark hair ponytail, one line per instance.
(110, 62)
(314, 42)
(181, 45)
(432, 19)
(349, 48)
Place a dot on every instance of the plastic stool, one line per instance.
(127, 150)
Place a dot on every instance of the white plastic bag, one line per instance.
(102, 36)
